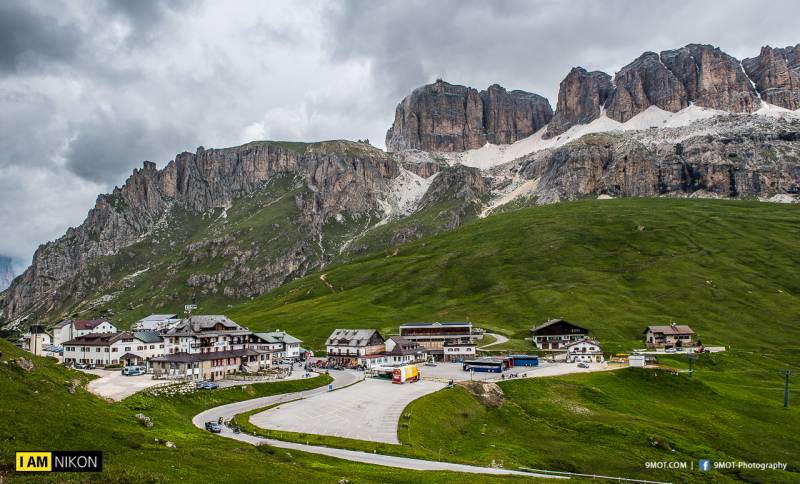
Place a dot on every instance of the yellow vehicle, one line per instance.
(403, 374)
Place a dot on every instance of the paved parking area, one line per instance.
(369, 410)
(113, 385)
(454, 371)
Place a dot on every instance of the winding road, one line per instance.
(500, 339)
(341, 379)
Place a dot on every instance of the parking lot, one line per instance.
(113, 385)
(454, 371)
(369, 410)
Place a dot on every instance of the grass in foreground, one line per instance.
(608, 423)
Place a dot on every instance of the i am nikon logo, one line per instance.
(60, 461)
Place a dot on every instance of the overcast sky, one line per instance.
(89, 89)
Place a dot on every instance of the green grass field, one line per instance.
(727, 268)
(39, 413)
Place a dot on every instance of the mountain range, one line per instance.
(225, 225)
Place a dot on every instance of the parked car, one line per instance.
(206, 385)
(670, 350)
(213, 427)
(583, 365)
(134, 370)
(80, 366)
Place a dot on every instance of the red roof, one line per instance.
(83, 324)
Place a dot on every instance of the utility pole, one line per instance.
(691, 357)
(786, 374)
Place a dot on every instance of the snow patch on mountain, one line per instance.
(406, 191)
(516, 189)
(490, 155)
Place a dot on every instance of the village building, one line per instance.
(458, 350)
(400, 351)
(667, 337)
(557, 333)
(206, 334)
(433, 335)
(346, 346)
(370, 362)
(584, 351)
(120, 348)
(37, 341)
(157, 322)
(68, 329)
(281, 344)
(210, 365)
(203, 347)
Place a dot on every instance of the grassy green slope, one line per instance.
(727, 268)
(39, 413)
(613, 423)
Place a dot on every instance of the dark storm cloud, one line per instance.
(107, 147)
(89, 89)
(532, 45)
(28, 35)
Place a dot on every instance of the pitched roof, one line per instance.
(555, 321)
(671, 329)
(588, 341)
(84, 324)
(278, 337)
(62, 323)
(352, 337)
(98, 339)
(200, 323)
(128, 356)
(158, 317)
(214, 355)
(402, 341)
(148, 336)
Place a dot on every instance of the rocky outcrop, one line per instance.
(698, 74)
(445, 117)
(746, 158)
(643, 83)
(343, 178)
(776, 74)
(512, 116)
(712, 78)
(581, 97)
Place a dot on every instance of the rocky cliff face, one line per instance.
(446, 117)
(6, 272)
(511, 116)
(776, 73)
(712, 78)
(699, 74)
(643, 83)
(237, 222)
(331, 191)
(746, 156)
(581, 97)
